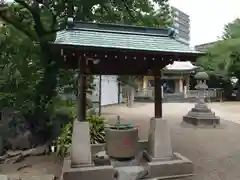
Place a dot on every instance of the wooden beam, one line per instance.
(118, 61)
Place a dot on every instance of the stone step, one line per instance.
(131, 172)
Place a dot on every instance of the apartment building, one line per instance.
(181, 22)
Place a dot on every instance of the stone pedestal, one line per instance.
(81, 146)
(201, 115)
(159, 140)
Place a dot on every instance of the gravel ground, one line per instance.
(214, 152)
(38, 167)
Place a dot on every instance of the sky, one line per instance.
(208, 17)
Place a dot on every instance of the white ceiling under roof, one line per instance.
(181, 65)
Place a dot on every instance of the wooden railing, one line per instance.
(145, 93)
(194, 93)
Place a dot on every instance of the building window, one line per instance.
(175, 18)
(176, 13)
(176, 25)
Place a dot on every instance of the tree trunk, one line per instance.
(130, 96)
(238, 89)
(45, 91)
(238, 92)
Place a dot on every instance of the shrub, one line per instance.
(97, 135)
(63, 142)
(59, 119)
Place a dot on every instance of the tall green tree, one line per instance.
(37, 22)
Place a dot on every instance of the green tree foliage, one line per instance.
(32, 24)
(19, 69)
(222, 60)
(154, 13)
(232, 30)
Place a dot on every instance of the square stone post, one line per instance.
(159, 140)
(81, 147)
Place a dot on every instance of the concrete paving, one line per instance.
(214, 152)
(227, 111)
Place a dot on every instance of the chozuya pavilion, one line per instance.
(111, 49)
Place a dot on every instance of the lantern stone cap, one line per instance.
(201, 76)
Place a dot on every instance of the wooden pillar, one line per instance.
(100, 95)
(82, 88)
(158, 96)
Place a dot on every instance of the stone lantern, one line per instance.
(200, 114)
(201, 86)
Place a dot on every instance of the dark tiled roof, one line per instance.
(122, 37)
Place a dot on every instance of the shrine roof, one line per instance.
(181, 66)
(96, 35)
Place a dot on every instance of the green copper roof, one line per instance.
(123, 37)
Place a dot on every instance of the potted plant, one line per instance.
(121, 140)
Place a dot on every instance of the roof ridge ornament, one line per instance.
(70, 13)
(70, 22)
(172, 32)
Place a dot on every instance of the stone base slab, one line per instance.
(87, 173)
(182, 177)
(201, 115)
(201, 120)
(177, 168)
(150, 158)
